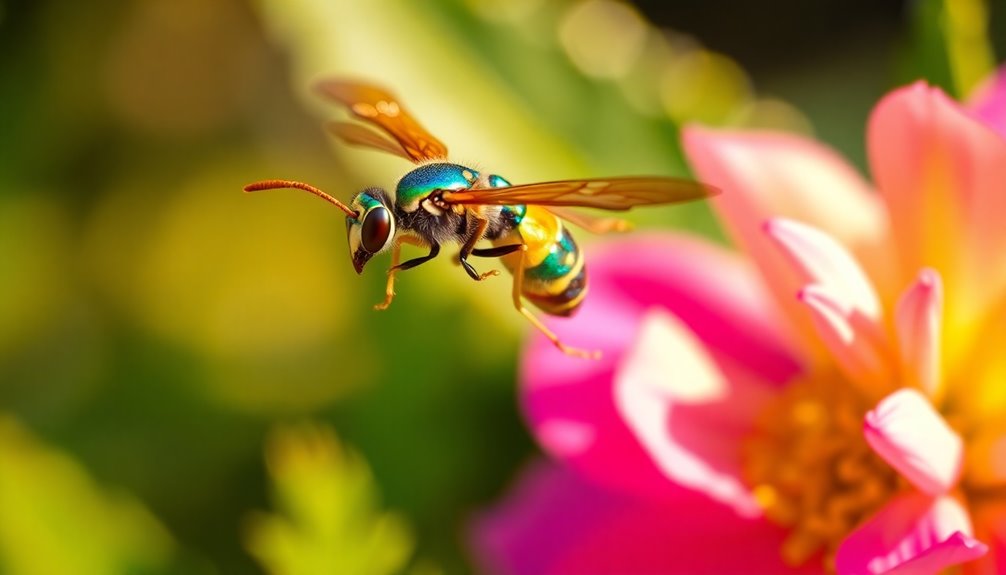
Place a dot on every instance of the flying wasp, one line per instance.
(441, 202)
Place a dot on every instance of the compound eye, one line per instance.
(376, 228)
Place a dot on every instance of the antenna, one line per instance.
(281, 184)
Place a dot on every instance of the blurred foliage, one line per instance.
(950, 45)
(54, 519)
(155, 322)
(328, 520)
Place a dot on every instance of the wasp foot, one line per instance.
(577, 352)
(488, 274)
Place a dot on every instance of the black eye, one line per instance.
(376, 227)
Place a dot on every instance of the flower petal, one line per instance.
(677, 402)
(990, 526)
(852, 340)
(983, 369)
(988, 103)
(909, 434)
(912, 534)
(918, 321)
(767, 175)
(547, 500)
(553, 522)
(941, 173)
(571, 403)
(819, 259)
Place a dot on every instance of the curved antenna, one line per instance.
(281, 184)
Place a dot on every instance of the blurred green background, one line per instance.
(192, 380)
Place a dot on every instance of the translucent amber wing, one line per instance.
(604, 193)
(377, 106)
(591, 223)
(359, 135)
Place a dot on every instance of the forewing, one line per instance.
(376, 105)
(591, 223)
(602, 193)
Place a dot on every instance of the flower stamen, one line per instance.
(810, 468)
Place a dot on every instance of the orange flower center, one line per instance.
(811, 469)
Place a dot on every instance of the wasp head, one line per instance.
(373, 230)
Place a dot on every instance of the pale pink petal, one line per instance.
(555, 523)
(570, 402)
(988, 103)
(819, 259)
(852, 340)
(666, 389)
(766, 175)
(913, 438)
(912, 534)
(918, 319)
(941, 172)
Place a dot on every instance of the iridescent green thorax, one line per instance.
(514, 213)
(560, 261)
(419, 183)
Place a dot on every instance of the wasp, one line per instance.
(441, 202)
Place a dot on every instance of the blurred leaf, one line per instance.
(328, 520)
(971, 59)
(54, 519)
(50, 342)
(34, 254)
(949, 45)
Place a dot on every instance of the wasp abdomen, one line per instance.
(555, 278)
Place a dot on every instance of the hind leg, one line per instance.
(518, 280)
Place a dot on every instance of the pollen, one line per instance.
(811, 470)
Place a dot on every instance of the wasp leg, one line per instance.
(396, 252)
(518, 279)
(434, 252)
(496, 252)
(469, 246)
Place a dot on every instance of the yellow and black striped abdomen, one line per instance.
(555, 278)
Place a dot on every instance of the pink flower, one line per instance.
(833, 401)
(989, 101)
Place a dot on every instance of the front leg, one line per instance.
(466, 250)
(434, 252)
(389, 289)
